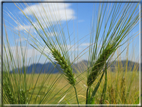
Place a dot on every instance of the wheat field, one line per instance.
(81, 87)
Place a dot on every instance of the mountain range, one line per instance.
(82, 66)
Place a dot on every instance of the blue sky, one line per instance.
(77, 19)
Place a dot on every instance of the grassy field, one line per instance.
(56, 94)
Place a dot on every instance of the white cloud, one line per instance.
(53, 34)
(17, 51)
(85, 44)
(48, 14)
(89, 44)
(22, 27)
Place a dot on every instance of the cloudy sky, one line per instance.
(75, 19)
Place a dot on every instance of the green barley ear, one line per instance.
(64, 65)
(66, 68)
(99, 64)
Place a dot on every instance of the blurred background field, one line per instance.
(114, 94)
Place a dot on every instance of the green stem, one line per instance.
(102, 101)
(76, 96)
(87, 95)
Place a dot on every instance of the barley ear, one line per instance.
(64, 65)
(66, 69)
(99, 65)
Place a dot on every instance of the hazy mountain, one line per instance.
(122, 64)
(80, 66)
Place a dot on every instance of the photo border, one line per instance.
(75, 1)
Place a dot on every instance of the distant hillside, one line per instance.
(122, 65)
(40, 68)
(78, 67)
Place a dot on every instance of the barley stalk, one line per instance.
(104, 89)
(112, 95)
(123, 95)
